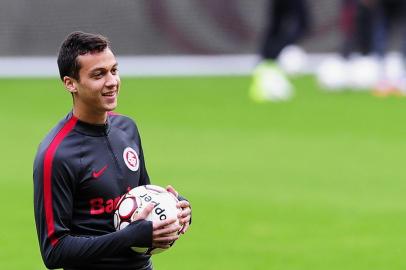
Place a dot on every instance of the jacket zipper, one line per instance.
(123, 181)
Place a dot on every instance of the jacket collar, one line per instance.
(91, 129)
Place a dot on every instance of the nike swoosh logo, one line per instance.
(97, 174)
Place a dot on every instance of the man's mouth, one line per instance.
(109, 94)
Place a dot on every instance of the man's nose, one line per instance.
(112, 80)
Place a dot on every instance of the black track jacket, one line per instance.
(80, 172)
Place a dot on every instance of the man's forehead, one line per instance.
(97, 60)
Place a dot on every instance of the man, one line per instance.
(286, 23)
(86, 163)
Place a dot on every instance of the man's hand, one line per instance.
(164, 232)
(185, 215)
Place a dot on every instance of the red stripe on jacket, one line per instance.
(49, 157)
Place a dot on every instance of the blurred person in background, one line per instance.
(354, 66)
(86, 163)
(376, 68)
(386, 16)
(365, 62)
(287, 21)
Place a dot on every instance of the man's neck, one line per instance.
(91, 118)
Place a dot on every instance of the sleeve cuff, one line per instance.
(141, 233)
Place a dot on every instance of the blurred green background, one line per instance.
(317, 182)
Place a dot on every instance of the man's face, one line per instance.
(98, 85)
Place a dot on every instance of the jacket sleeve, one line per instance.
(53, 201)
(72, 251)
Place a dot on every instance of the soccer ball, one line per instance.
(365, 72)
(135, 200)
(332, 73)
(293, 60)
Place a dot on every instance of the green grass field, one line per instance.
(318, 182)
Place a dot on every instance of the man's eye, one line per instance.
(114, 70)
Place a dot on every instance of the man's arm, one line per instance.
(71, 251)
(53, 202)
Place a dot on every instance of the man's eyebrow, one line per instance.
(98, 69)
(102, 68)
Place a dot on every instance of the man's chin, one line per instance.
(111, 107)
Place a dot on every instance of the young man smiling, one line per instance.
(86, 163)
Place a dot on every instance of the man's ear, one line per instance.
(70, 84)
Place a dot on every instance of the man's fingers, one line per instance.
(184, 228)
(183, 204)
(145, 212)
(166, 239)
(163, 223)
(184, 213)
(169, 230)
(185, 220)
(162, 245)
(170, 189)
(164, 242)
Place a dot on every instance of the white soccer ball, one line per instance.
(332, 73)
(135, 200)
(293, 60)
(365, 72)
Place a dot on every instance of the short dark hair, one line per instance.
(75, 44)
